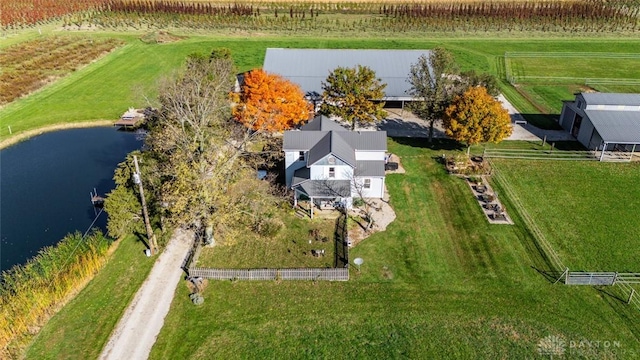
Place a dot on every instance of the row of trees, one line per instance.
(593, 15)
(552, 16)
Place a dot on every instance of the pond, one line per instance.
(45, 184)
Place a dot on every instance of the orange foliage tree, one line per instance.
(269, 102)
(477, 117)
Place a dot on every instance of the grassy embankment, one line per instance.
(83, 326)
(439, 283)
(105, 89)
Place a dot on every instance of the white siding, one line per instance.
(370, 155)
(291, 164)
(344, 172)
(375, 191)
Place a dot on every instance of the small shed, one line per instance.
(608, 123)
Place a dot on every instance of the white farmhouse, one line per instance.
(331, 165)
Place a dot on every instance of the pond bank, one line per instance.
(18, 137)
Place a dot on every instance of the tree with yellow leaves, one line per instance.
(271, 103)
(476, 117)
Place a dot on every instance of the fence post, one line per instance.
(633, 291)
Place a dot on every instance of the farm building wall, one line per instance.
(586, 130)
(567, 116)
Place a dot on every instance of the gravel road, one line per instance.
(138, 328)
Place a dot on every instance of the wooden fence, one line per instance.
(338, 273)
(329, 274)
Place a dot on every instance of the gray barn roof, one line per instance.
(622, 127)
(597, 98)
(310, 67)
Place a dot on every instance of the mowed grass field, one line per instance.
(549, 76)
(129, 75)
(587, 210)
(439, 283)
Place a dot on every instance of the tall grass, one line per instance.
(31, 293)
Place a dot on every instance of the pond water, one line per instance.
(45, 184)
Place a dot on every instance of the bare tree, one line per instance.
(201, 172)
(433, 84)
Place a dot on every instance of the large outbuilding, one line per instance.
(604, 122)
(310, 67)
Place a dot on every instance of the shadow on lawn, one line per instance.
(543, 121)
(435, 144)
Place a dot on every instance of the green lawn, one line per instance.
(106, 88)
(291, 248)
(558, 69)
(82, 327)
(587, 210)
(439, 283)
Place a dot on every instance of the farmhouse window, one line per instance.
(301, 156)
(367, 183)
(332, 172)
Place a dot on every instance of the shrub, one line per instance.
(268, 227)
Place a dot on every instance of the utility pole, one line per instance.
(138, 180)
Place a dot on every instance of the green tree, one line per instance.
(473, 79)
(353, 94)
(202, 176)
(220, 53)
(434, 81)
(476, 117)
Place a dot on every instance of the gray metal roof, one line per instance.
(326, 188)
(369, 168)
(310, 67)
(322, 123)
(366, 140)
(621, 127)
(332, 143)
(301, 140)
(598, 98)
(301, 175)
(358, 140)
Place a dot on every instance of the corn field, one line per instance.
(468, 16)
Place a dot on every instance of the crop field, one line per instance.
(30, 65)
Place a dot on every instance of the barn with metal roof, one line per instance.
(310, 67)
(608, 123)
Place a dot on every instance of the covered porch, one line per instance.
(322, 195)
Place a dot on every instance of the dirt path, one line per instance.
(138, 328)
